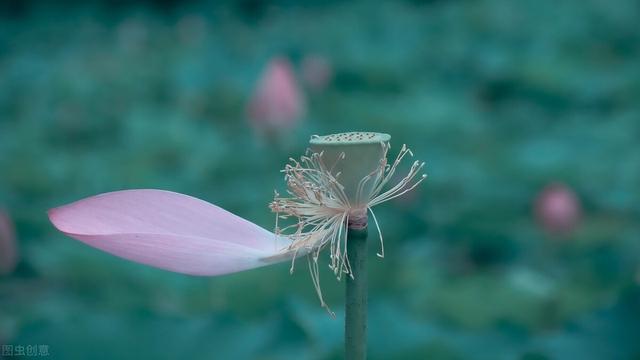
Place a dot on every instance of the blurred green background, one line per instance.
(499, 97)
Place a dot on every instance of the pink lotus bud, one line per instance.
(277, 103)
(171, 231)
(317, 72)
(557, 209)
(8, 246)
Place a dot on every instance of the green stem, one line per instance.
(355, 329)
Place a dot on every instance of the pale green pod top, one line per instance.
(364, 153)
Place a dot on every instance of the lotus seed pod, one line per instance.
(356, 159)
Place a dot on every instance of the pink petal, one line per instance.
(277, 102)
(168, 230)
(8, 246)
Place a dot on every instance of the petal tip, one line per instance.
(55, 217)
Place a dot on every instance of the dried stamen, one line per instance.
(322, 209)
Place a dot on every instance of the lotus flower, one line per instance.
(333, 187)
(277, 103)
(557, 209)
(316, 72)
(8, 246)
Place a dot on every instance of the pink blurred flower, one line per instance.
(171, 231)
(277, 103)
(558, 209)
(8, 245)
(317, 72)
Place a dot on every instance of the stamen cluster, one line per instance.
(322, 210)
